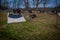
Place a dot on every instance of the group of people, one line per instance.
(32, 15)
(17, 11)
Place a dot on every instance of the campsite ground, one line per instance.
(41, 28)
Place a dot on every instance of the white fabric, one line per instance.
(59, 14)
(15, 20)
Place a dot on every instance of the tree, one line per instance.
(0, 2)
(14, 4)
(19, 3)
(44, 3)
(36, 4)
(26, 2)
(4, 4)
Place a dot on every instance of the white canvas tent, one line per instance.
(15, 20)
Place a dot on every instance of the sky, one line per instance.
(49, 4)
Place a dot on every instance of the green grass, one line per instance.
(3, 18)
(41, 28)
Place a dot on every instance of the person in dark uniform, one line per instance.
(19, 11)
(30, 11)
(14, 11)
(33, 16)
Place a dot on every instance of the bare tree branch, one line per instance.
(26, 4)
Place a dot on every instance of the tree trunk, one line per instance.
(44, 6)
(26, 4)
(37, 7)
(14, 4)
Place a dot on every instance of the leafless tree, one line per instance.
(5, 4)
(26, 2)
(14, 4)
(19, 2)
(36, 4)
(44, 3)
(0, 4)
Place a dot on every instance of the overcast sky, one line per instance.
(50, 3)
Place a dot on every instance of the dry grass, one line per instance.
(40, 28)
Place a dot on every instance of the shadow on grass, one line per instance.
(6, 35)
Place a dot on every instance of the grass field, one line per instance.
(40, 28)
